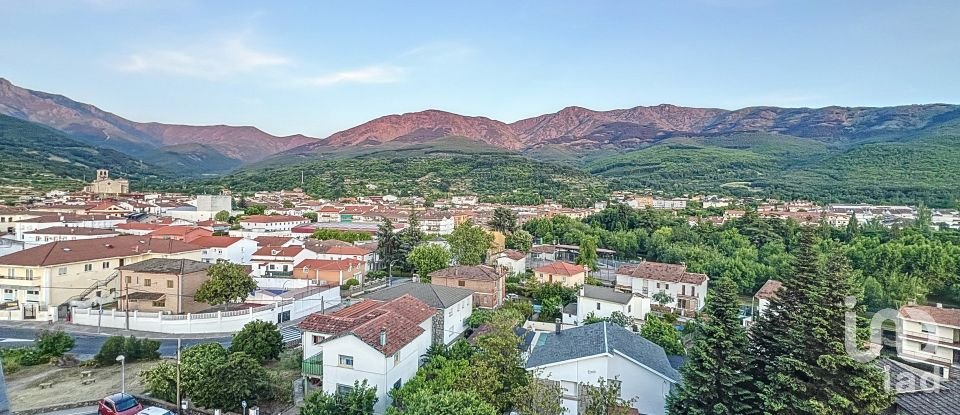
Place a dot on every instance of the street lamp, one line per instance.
(123, 373)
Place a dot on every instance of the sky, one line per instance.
(315, 67)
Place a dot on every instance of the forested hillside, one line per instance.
(36, 156)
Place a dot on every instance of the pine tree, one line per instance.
(715, 376)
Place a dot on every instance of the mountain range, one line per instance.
(660, 147)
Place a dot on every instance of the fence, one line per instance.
(215, 322)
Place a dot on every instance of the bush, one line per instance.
(352, 282)
(258, 339)
(131, 348)
(291, 359)
(479, 318)
(376, 275)
(513, 279)
(53, 343)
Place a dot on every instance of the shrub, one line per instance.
(259, 339)
(291, 359)
(53, 343)
(352, 282)
(131, 348)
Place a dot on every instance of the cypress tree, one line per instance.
(715, 376)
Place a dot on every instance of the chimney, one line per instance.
(557, 322)
(383, 336)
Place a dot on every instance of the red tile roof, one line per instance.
(67, 252)
(272, 240)
(514, 255)
(769, 289)
(289, 251)
(328, 264)
(273, 219)
(176, 230)
(400, 319)
(938, 315)
(560, 268)
(139, 226)
(659, 271)
(347, 250)
(215, 241)
(469, 272)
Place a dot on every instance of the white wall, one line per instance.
(454, 319)
(216, 322)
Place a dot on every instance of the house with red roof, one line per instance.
(332, 271)
(687, 290)
(272, 224)
(138, 228)
(930, 335)
(276, 261)
(570, 275)
(377, 341)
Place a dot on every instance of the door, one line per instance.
(29, 311)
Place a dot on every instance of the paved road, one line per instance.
(87, 345)
(87, 410)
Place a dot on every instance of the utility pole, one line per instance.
(179, 400)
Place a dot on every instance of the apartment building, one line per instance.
(931, 335)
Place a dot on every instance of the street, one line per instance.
(87, 345)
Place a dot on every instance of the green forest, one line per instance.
(892, 266)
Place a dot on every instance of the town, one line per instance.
(386, 304)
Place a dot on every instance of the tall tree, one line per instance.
(388, 245)
(504, 220)
(409, 238)
(588, 253)
(228, 283)
(427, 258)
(853, 228)
(469, 243)
(520, 240)
(222, 216)
(659, 331)
(715, 375)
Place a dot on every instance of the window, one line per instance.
(29, 274)
(33, 292)
(569, 388)
(667, 286)
(344, 389)
(658, 285)
(317, 339)
(461, 283)
(106, 264)
(928, 328)
(629, 308)
(397, 384)
(87, 267)
(598, 305)
(62, 271)
(10, 272)
(396, 358)
(129, 279)
(146, 282)
(693, 291)
(160, 303)
(346, 360)
(169, 283)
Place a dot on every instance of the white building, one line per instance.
(380, 342)
(513, 262)
(20, 228)
(687, 291)
(579, 357)
(226, 249)
(454, 306)
(281, 224)
(601, 302)
(674, 204)
(437, 224)
(271, 261)
(64, 233)
(930, 335)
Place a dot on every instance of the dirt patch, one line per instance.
(24, 386)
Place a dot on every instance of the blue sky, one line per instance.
(318, 67)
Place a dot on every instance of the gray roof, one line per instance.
(597, 339)
(570, 309)
(436, 296)
(918, 393)
(606, 294)
(167, 266)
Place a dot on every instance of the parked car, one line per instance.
(155, 410)
(119, 404)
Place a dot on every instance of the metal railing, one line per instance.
(313, 366)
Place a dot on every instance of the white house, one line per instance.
(21, 227)
(226, 249)
(513, 262)
(931, 335)
(64, 233)
(761, 300)
(437, 224)
(687, 290)
(454, 306)
(579, 357)
(263, 224)
(272, 261)
(380, 342)
(603, 301)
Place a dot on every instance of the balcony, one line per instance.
(930, 339)
(927, 358)
(313, 366)
(278, 274)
